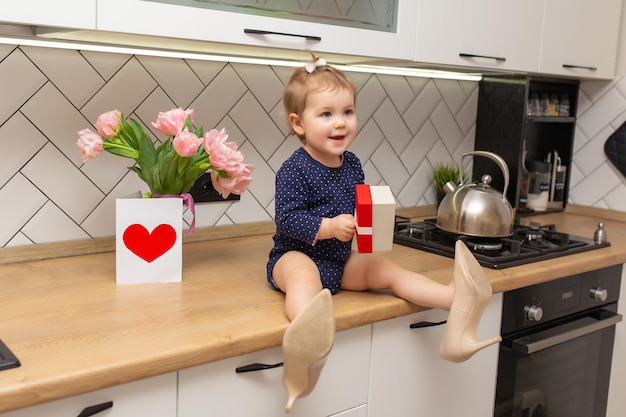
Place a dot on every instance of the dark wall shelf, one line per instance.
(550, 119)
(504, 127)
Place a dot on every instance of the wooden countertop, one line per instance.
(74, 330)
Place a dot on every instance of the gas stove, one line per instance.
(527, 244)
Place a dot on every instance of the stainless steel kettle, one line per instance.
(477, 209)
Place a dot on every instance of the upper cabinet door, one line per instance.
(490, 34)
(226, 28)
(580, 38)
(80, 14)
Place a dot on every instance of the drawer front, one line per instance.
(154, 397)
(215, 389)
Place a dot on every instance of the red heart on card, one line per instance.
(149, 246)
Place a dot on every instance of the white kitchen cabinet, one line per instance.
(227, 29)
(154, 397)
(408, 378)
(360, 411)
(66, 13)
(617, 400)
(580, 38)
(489, 34)
(215, 389)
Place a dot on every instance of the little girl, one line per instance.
(312, 258)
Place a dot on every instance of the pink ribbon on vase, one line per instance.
(188, 201)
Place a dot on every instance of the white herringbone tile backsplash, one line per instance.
(48, 195)
(406, 125)
(595, 182)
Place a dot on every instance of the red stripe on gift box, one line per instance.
(364, 218)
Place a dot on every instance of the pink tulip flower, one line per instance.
(186, 143)
(108, 124)
(223, 155)
(171, 122)
(236, 184)
(89, 144)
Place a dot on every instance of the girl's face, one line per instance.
(328, 124)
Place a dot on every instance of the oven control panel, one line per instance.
(552, 300)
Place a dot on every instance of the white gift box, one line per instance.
(375, 213)
(148, 240)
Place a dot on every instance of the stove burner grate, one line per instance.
(527, 243)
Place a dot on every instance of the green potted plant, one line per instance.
(442, 172)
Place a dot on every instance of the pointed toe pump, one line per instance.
(472, 292)
(306, 344)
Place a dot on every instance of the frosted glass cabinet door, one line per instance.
(410, 380)
(80, 14)
(227, 28)
(375, 15)
(495, 34)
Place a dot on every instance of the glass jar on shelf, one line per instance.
(544, 104)
(553, 107)
(564, 107)
(533, 105)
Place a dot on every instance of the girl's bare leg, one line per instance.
(364, 272)
(466, 300)
(298, 277)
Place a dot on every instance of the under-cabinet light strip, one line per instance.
(371, 69)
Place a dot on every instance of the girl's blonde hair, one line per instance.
(301, 82)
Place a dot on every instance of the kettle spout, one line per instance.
(449, 187)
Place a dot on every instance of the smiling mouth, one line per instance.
(337, 137)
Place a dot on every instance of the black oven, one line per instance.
(557, 344)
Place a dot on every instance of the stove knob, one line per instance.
(533, 313)
(598, 294)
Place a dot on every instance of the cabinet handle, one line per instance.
(580, 67)
(426, 324)
(95, 409)
(497, 58)
(269, 32)
(253, 367)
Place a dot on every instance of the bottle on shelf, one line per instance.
(553, 106)
(564, 110)
(533, 105)
(544, 104)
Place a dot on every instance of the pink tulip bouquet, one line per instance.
(171, 168)
(174, 166)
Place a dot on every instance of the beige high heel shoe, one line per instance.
(306, 344)
(472, 292)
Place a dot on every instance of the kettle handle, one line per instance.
(495, 158)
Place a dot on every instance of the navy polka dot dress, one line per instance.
(306, 192)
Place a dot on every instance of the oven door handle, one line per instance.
(577, 328)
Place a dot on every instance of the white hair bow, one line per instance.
(310, 67)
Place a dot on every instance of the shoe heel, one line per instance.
(472, 294)
(458, 343)
(301, 377)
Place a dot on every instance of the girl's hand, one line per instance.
(343, 227)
